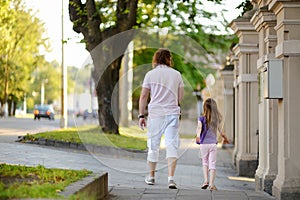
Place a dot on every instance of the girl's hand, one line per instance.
(197, 140)
(225, 140)
(223, 134)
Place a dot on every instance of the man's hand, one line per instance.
(142, 123)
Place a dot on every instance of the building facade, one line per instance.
(266, 96)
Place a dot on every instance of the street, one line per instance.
(11, 127)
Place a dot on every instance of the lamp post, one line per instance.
(43, 91)
(64, 114)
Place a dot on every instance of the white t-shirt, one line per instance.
(164, 83)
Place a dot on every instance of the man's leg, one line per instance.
(154, 136)
(150, 179)
(152, 161)
(152, 167)
(172, 145)
(172, 161)
(171, 166)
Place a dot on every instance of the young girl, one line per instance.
(208, 126)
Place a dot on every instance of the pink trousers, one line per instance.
(209, 155)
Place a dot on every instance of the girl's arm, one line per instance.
(198, 132)
(225, 139)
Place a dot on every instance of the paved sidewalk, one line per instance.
(182, 194)
(126, 175)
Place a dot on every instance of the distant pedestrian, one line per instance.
(165, 86)
(207, 129)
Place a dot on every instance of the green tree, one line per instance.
(81, 77)
(47, 73)
(99, 20)
(20, 39)
(246, 6)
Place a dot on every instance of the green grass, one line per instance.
(35, 182)
(129, 138)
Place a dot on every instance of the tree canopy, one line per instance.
(21, 37)
(100, 20)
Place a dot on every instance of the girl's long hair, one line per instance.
(162, 57)
(212, 114)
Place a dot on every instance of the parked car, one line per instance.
(90, 114)
(43, 111)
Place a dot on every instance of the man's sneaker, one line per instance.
(149, 180)
(172, 184)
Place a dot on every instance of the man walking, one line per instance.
(165, 86)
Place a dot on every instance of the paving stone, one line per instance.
(253, 195)
(228, 195)
(188, 194)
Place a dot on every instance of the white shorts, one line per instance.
(169, 126)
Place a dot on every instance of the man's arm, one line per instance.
(180, 94)
(142, 107)
(143, 100)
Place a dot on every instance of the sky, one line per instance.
(75, 54)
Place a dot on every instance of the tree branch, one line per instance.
(94, 21)
(126, 14)
(78, 16)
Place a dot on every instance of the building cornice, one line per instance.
(262, 18)
(245, 48)
(243, 23)
(245, 78)
(277, 5)
(288, 48)
(286, 22)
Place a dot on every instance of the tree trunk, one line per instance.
(107, 88)
(107, 59)
(15, 108)
(9, 105)
(6, 73)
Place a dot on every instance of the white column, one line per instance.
(246, 84)
(42, 92)
(287, 182)
(264, 22)
(227, 76)
(235, 61)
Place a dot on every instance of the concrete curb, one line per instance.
(94, 186)
(105, 150)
